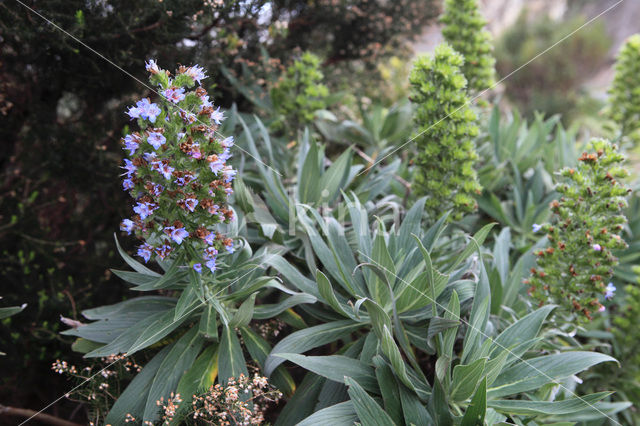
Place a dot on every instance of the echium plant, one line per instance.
(464, 29)
(625, 329)
(446, 127)
(299, 93)
(624, 100)
(177, 171)
(575, 268)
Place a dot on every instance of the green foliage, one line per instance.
(464, 29)
(409, 308)
(300, 92)
(627, 346)
(624, 95)
(444, 167)
(574, 269)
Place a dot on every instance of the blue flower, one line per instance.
(198, 268)
(166, 171)
(216, 166)
(196, 72)
(152, 66)
(609, 291)
(228, 174)
(227, 142)
(174, 94)
(144, 210)
(127, 184)
(127, 225)
(144, 251)
(536, 227)
(210, 238)
(230, 248)
(210, 253)
(131, 143)
(129, 167)
(144, 109)
(217, 116)
(156, 139)
(179, 234)
(211, 264)
(191, 204)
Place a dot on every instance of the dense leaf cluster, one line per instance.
(575, 268)
(464, 29)
(624, 94)
(446, 128)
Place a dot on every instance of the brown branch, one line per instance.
(26, 413)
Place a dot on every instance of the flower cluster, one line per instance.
(177, 171)
(446, 152)
(624, 99)
(575, 268)
(240, 402)
(465, 30)
(101, 383)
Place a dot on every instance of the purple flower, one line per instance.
(536, 227)
(216, 166)
(226, 154)
(156, 189)
(211, 264)
(210, 238)
(144, 109)
(150, 156)
(609, 291)
(601, 308)
(127, 225)
(127, 184)
(144, 210)
(206, 103)
(217, 116)
(196, 72)
(228, 191)
(166, 171)
(230, 248)
(152, 66)
(156, 139)
(597, 247)
(228, 174)
(174, 94)
(210, 253)
(198, 268)
(227, 142)
(144, 251)
(163, 251)
(129, 167)
(191, 204)
(131, 143)
(177, 234)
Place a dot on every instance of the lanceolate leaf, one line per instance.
(336, 367)
(133, 399)
(465, 379)
(231, 362)
(303, 340)
(532, 373)
(532, 408)
(173, 367)
(474, 415)
(368, 410)
(342, 414)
